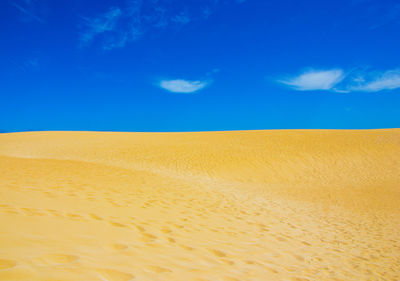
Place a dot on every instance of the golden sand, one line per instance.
(247, 205)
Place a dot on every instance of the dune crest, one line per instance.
(242, 205)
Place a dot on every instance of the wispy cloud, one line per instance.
(121, 25)
(96, 26)
(183, 86)
(25, 64)
(182, 18)
(312, 80)
(335, 80)
(135, 18)
(392, 15)
(27, 8)
(388, 80)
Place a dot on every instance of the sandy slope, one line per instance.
(249, 205)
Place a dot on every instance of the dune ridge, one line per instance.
(235, 205)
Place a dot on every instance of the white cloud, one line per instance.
(182, 86)
(388, 80)
(315, 80)
(335, 80)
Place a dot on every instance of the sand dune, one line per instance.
(247, 205)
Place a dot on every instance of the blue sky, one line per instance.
(194, 65)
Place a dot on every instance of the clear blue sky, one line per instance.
(168, 65)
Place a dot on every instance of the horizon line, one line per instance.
(197, 131)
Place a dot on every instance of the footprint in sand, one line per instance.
(299, 258)
(250, 262)
(11, 211)
(158, 269)
(74, 216)
(299, 279)
(228, 262)
(290, 268)
(96, 217)
(228, 278)
(54, 259)
(187, 248)
(114, 275)
(119, 246)
(54, 213)
(117, 224)
(4, 264)
(140, 228)
(270, 269)
(146, 237)
(218, 253)
(166, 230)
(32, 212)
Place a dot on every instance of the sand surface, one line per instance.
(247, 205)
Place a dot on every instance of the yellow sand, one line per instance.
(247, 205)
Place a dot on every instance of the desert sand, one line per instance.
(243, 205)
